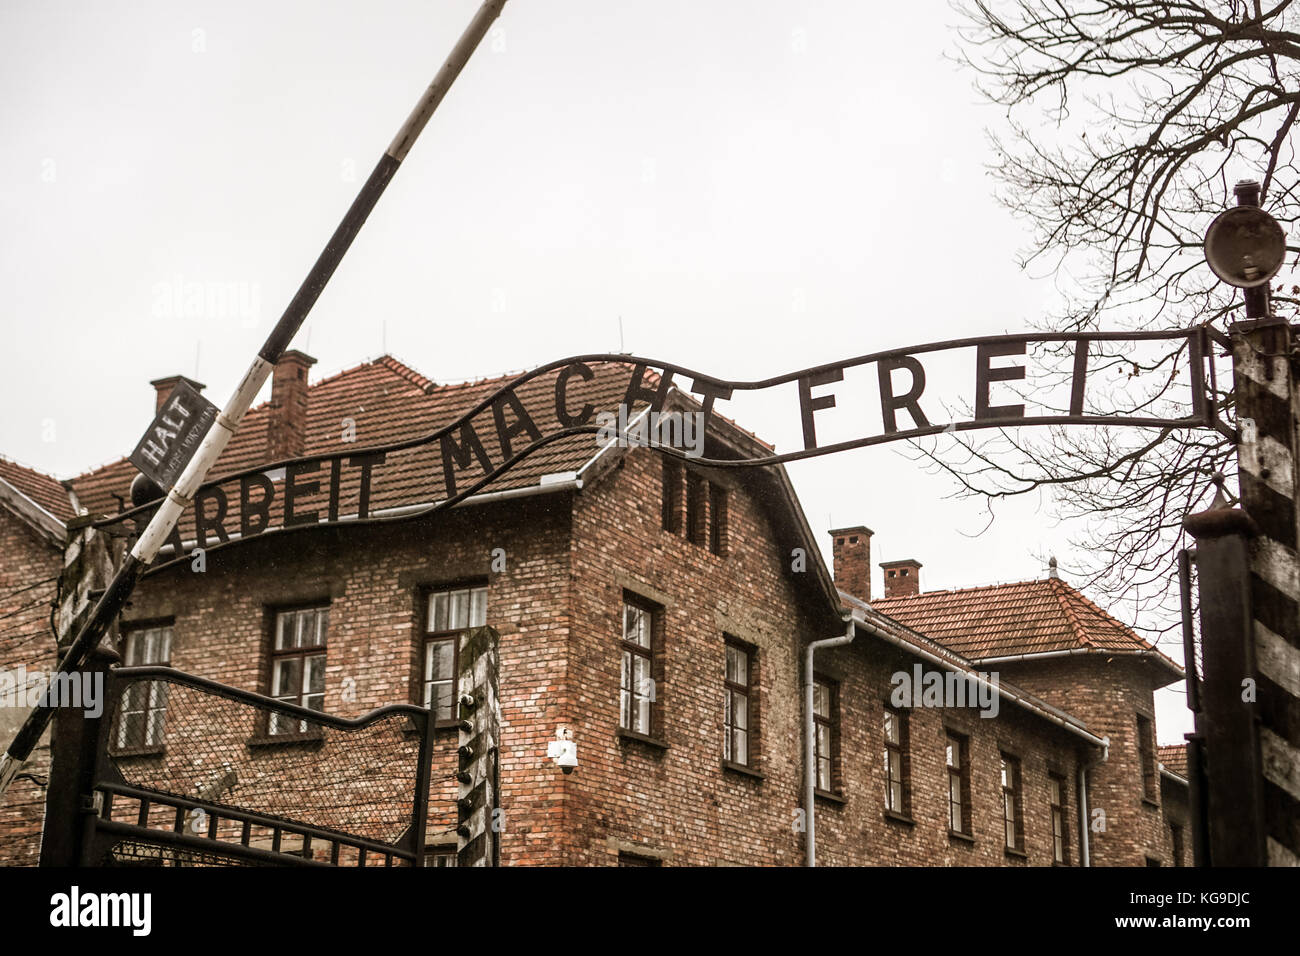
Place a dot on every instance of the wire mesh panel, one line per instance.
(192, 772)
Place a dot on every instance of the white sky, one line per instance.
(753, 186)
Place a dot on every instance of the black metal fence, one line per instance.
(189, 772)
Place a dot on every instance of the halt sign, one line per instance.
(174, 436)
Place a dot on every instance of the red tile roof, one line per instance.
(388, 402)
(906, 636)
(41, 488)
(1002, 620)
(1174, 757)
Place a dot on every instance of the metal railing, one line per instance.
(188, 771)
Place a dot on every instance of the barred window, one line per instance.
(697, 496)
(450, 613)
(718, 520)
(673, 473)
(298, 664)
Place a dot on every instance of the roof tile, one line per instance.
(43, 489)
(1001, 620)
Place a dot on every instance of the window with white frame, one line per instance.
(142, 713)
(298, 664)
(636, 675)
(450, 613)
(736, 712)
(826, 732)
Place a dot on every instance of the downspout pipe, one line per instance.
(1085, 856)
(809, 746)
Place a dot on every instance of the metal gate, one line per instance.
(186, 771)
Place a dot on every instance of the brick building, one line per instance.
(658, 612)
(34, 511)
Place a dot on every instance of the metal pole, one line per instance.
(1195, 740)
(809, 741)
(181, 494)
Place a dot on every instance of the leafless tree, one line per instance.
(1127, 125)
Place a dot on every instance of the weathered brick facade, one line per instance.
(729, 558)
(1109, 694)
(28, 582)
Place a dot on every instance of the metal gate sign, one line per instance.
(612, 397)
(174, 436)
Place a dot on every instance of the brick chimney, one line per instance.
(902, 578)
(286, 425)
(851, 548)
(163, 389)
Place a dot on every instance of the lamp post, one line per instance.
(1248, 571)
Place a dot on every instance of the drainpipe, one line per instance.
(1085, 856)
(809, 748)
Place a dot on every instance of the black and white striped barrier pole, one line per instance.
(478, 817)
(182, 492)
(1267, 406)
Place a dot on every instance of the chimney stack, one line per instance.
(851, 548)
(286, 425)
(163, 389)
(902, 578)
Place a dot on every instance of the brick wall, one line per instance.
(1108, 694)
(374, 580)
(680, 804)
(25, 640)
(569, 561)
(858, 831)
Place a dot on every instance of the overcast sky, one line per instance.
(747, 186)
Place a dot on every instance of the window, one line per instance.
(450, 613)
(697, 496)
(958, 761)
(298, 664)
(825, 738)
(718, 520)
(1060, 835)
(694, 507)
(636, 679)
(1013, 823)
(143, 710)
(1147, 752)
(635, 859)
(897, 798)
(736, 711)
(440, 856)
(1176, 844)
(672, 514)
